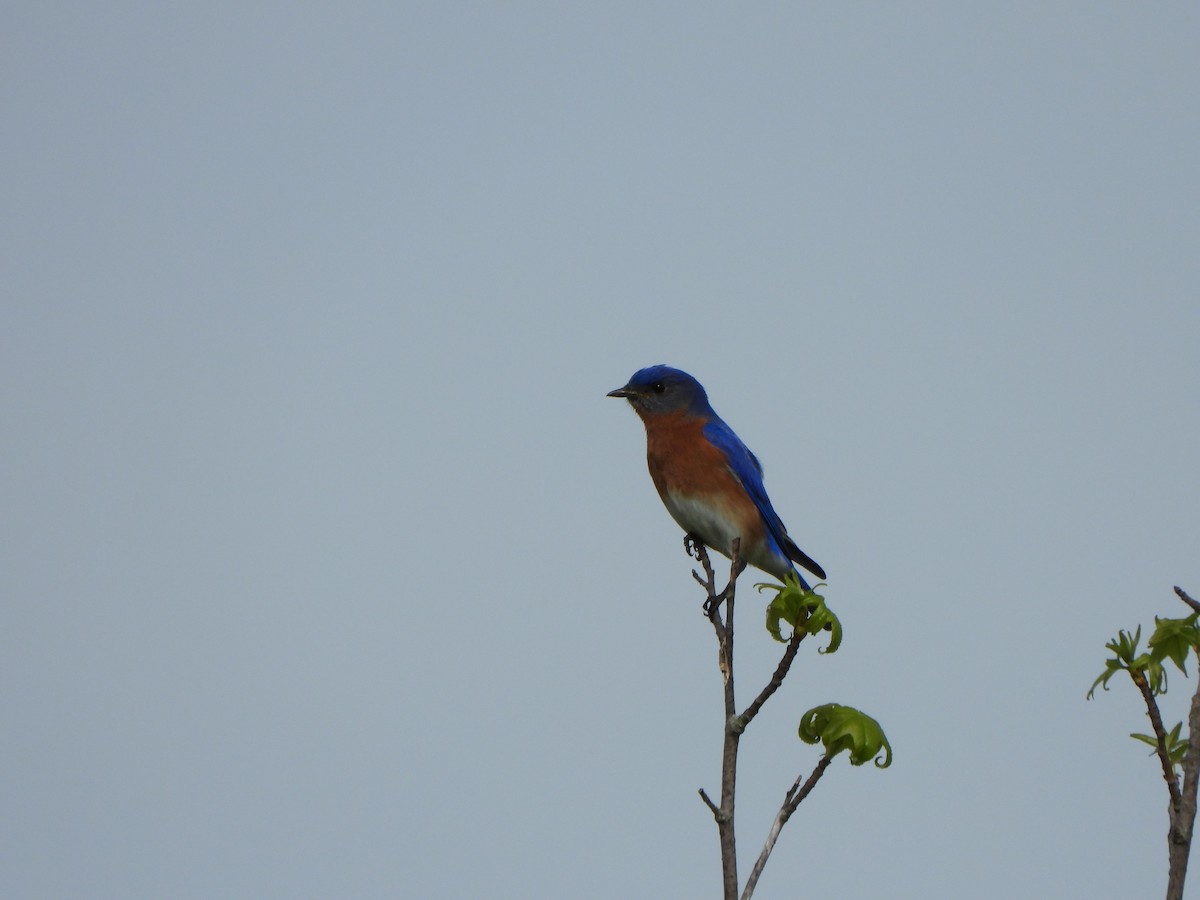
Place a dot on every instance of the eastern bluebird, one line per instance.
(707, 478)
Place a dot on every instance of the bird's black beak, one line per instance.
(626, 392)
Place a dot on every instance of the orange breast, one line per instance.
(699, 489)
(683, 462)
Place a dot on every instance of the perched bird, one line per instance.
(708, 479)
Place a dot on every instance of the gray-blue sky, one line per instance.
(328, 570)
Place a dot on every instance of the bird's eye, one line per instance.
(658, 387)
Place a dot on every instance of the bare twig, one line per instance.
(1183, 812)
(1183, 595)
(794, 797)
(773, 685)
(1160, 734)
(1183, 819)
(723, 813)
(730, 750)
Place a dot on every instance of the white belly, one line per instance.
(707, 522)
(717, 529)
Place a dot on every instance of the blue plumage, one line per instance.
(709, 480)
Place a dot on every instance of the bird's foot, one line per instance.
(712, 606)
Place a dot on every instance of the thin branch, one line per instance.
(735, 724)
(1183, 819)
(715, 811)
(794, 797)
(1183, 595)
(724, 631)
(773, 685)
(729, 752)
(1160, 734)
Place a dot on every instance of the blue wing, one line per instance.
(749, 471)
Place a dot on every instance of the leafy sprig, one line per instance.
(846, 728)
(802, 609)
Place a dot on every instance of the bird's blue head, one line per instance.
(658, 390)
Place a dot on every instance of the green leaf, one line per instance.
(1157, 676)
(1146, 739)
(787, 606)
(1174, 639)
(803, 610)
(845, 728)
(1125, 657)
(1125, 645)
(1176, 745)
(1111, 668)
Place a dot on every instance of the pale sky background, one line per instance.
(329, 571)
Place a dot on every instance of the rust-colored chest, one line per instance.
(681, 459)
